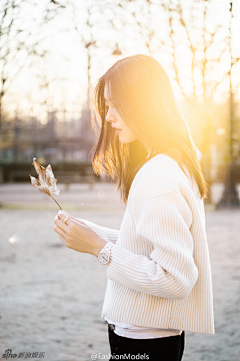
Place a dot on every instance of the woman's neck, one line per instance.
(150, 151)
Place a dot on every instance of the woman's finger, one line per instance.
(60, 224)
(75, 219)
(66, 214)
(62, 216)
(59, 231)
(70, 220)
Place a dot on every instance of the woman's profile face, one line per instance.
(124, 133)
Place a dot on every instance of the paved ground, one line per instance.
(51, 297)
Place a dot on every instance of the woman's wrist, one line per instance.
(100, 244)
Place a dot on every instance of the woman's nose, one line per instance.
(110, 117)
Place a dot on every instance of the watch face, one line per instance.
(104, 258)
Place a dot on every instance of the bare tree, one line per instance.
(19, 44)
(99, 17)
(207, 43)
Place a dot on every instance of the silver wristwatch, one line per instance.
(104, 255)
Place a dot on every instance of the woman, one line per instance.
(158, 267)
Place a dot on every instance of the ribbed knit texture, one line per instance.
(160, 274)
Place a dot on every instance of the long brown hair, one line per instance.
(143, 97)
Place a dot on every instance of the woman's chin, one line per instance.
(126, 140)
(123, 141)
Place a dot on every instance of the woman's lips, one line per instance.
(117, 131)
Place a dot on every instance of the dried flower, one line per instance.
(46, 181)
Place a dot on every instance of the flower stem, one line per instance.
(56, 202)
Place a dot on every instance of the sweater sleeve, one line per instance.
(164, 222)
(108, 234)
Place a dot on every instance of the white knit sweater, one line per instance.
(160, 274)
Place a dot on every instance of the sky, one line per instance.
(60, 80)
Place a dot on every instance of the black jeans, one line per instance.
(154, 349)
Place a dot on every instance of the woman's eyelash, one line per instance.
(107, 106)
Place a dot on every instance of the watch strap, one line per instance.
(106, 249)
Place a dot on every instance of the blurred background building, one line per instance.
(54, 142)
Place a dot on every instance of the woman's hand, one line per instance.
(77, 235)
